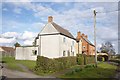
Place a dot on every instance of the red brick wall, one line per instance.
(86, 47)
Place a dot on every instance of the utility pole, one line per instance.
(78, 47)
(95, 37)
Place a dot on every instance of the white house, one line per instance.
(53, 41)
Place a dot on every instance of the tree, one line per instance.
(34, 43)
(108, 48)
(17, 44)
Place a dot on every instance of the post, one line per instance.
(78, 47)
(84, 58)
(95, 37)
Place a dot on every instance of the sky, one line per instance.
(22, 21)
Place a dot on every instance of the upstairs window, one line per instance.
(81, 40)
(72, 43)
(83, 47)
(71, 48)
(64, 39)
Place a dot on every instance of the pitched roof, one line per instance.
(87, 41)
(7, 48)
(62, 30)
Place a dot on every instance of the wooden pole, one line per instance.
(95, 37)
(78, 47)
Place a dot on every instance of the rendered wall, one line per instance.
(26, 53)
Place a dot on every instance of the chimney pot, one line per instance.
(50, 19)
(83, 34)
(78, 36)
(79, 33)
(86, 36)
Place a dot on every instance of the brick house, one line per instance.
(85, 46)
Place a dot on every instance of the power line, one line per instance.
(108, 11)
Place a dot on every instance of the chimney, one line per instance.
(86, 36)
(83, 35)
(78, 36)
(50, 19)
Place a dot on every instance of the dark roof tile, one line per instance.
(62, 30)
(88, 41)
(8, 49)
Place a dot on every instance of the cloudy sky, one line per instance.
(22, 21)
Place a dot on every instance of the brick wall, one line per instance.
(87, 48)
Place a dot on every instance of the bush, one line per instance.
(80, 59)
(85, 59)
(66, 61)
(116, 61)
(46, 65)
(42, 64)
(78, 69)
(70, 72)
(89, 66)
(90, 59)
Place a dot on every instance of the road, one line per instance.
(18, 74)
(117, 76)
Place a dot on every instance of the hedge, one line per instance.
(67, 61)
(46, 65)
(90, 59)
(80, 59)
(85, 59)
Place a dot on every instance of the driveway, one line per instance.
(17, 74)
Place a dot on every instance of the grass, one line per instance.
(29, 64)
(12, 64)
(104, 70)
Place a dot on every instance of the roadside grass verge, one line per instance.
(28, 63)
(12, 64)
(104, 70)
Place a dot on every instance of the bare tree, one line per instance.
(108, 48)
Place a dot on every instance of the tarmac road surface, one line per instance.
(17, 74)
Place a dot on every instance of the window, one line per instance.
(72, 43)
(81, 40)
(71, 48)
(64, 39)
(34, 52)
(68, 53)
(83, 47)
(63, 53)
(73, 53)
